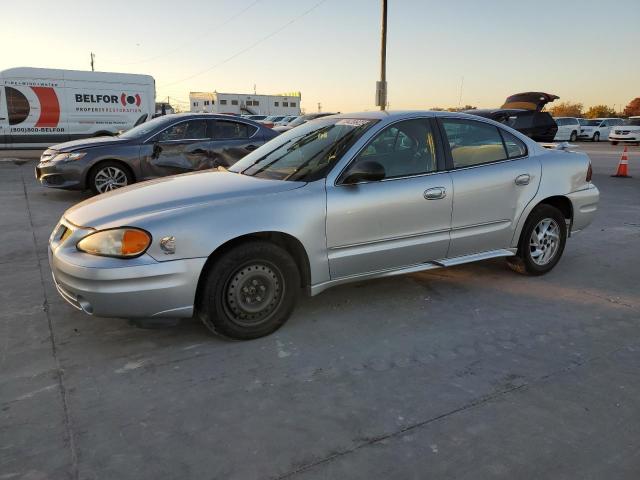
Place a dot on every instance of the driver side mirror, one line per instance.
(364, 171)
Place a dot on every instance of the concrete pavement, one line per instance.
(469, 372)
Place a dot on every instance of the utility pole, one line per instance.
(92, 58)
(381, 86)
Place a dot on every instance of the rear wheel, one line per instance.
(541, 243)
(250, 291)
(574, 136)
(596, 137)
(107, 176)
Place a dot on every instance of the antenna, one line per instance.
(254, 89)
(460, 97)
(92, 58)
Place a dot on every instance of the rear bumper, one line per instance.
(105, 287)
(585, 206)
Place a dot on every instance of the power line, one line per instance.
(253, 45)
(196, 38)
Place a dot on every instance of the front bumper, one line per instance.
(126, 288)
(585, 206)
(630, 137)
(68, 175)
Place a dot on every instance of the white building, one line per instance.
(245, 103)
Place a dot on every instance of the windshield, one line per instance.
(146, 128)
(306, 153)
(635, 121)
(592, 123)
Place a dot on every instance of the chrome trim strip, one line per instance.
(68, 297)
(474, 257)
(484, 224)
(320, 287)
(316, 289)
(389, 239)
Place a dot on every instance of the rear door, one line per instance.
(493, 180)
(182, 147)
(232, 140)
(4, 122)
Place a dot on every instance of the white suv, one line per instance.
(568, 129)
(628, 132)
(598, 128)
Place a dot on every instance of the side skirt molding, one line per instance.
(421, 267)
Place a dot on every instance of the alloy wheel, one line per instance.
(544, 241)
(110, 178)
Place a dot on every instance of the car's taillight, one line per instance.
(589, 172)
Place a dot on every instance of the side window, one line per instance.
(473, 143)
(228, 130)
(561, 122)
(191, 130)
(403, 149)
(515, 147)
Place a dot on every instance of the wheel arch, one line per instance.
(105, 160)
(288, 242)
(561, 202)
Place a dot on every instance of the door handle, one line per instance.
(523, 179)
(435, 193)
(250, 147)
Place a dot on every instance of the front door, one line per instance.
(493, 181)
(180, 148)
(4, 121)
(399, 221)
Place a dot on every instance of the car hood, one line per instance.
(171, 193)
(631, 128)
(87, 143)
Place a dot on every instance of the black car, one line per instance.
(523, 112)
(166, 145)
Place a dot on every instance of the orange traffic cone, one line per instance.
(623, 165)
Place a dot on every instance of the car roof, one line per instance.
(207, 116)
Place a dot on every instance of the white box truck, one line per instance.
(41, 107)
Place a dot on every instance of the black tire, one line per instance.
(524, 261)
(596, 137)
(96, 174)
(573, 137)
(614, 143)
(249, 291)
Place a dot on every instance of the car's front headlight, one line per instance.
(67, 156)
(118, 242)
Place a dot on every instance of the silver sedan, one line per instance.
(338, 199)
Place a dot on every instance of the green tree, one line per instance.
(633, 109)
(566, 109)
(600, 111)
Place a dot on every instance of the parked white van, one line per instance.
(41, 107)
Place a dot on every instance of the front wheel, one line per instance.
(596, 137)
(107, 176)
(250, 291)
(574, 136)
(614, 143)
(541, 243)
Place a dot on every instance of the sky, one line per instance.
(439, 53)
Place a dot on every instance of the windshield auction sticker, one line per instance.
(352, 122)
